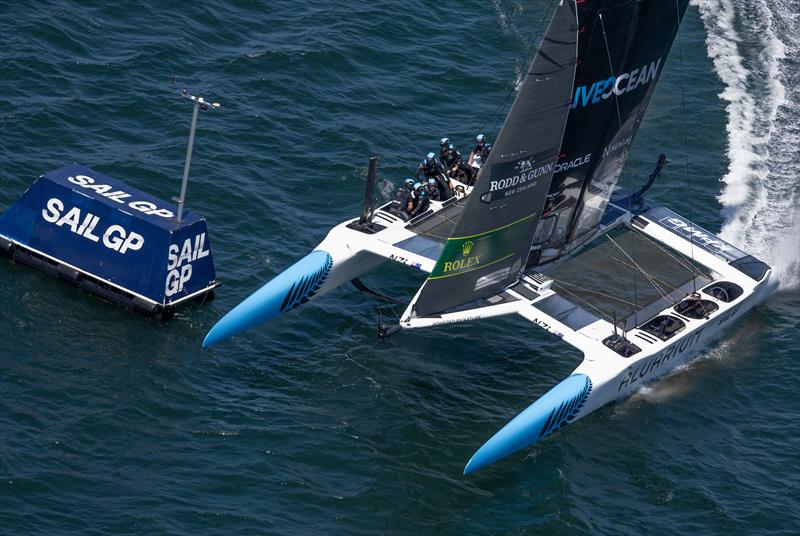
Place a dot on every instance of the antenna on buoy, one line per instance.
(199, 103)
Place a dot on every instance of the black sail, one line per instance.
(623, 46)
(492, 237)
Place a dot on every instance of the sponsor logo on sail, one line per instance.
(617, 145)
(573, 163)
(526, 173)
(462, 264)
(615, 85)
(466, 247)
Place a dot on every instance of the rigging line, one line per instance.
(591, 306)
(685, 138)
(635, 280)
(432, 235)
(591, 291)
(527, 60)
(662, 291)
(664, 284)
(692, 269)
(673, 257)
(611, 68)
(648, 276)
(635, 276)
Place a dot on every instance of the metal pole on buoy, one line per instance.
(199, 103)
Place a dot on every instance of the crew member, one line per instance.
(456, 167)
(429, 168)
(432, 190)
(403, 203)
(451, 159)
(444, 144)
(476, 155)
(421, 201)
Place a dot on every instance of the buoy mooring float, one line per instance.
(113, 240)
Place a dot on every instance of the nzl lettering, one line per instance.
(643, 370)
(541, 323)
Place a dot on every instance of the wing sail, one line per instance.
(490, 242)
(622, 49)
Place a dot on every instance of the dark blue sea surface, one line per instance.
(111, 423)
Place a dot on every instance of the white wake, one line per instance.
(761, 74)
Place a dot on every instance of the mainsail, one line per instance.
(623, 45)
(491, 241)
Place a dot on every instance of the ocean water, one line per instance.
(112, 423)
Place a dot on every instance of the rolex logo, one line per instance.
(467, 247)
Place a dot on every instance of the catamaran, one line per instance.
(545, 232)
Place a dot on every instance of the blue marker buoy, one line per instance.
(113, 240)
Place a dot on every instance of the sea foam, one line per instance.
(759, 198)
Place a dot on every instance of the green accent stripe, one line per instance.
(472, 269)
(493, 230)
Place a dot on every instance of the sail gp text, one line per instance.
(119, 196)
(115, 237)
(180, 261)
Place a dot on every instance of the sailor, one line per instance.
(421, 201)
(444, 144)
(455, 166)
(450, 158)
(476, 155)
(431, 168)
(432, 190)
(403, 203)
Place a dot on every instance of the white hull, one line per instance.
(614, 382)
(604, 375)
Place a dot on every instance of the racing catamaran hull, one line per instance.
(544, 203)
(344, 255)
(604, 374)
(315, 274)
(602, 378)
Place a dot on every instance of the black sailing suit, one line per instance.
(402, 198)
(421, 201)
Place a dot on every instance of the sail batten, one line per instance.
(491, 240)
